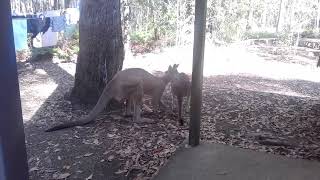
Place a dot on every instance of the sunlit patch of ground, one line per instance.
(35, 88)
(267, 62)
(37, 85)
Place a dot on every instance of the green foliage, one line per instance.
(227, 20)
(75, 35)
(310, 34)
(39, 54)
(141, 37)
(257, 35)
(65, 49)
(61, 54)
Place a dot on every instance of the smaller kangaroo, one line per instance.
(180, 87)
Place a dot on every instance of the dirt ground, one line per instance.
(261, 98)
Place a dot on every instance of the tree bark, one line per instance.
(188, 10)
(66, 3)
(250, 16)
(264, 16)
(279, 17)
(56, 4)
(101, 48)
(178, 29)
(318, 16)
(292, 18)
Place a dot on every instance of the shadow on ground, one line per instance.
(235, 109)
(111, 147)
(253, 112)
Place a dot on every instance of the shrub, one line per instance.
(259, 35)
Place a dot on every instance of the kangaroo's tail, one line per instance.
(103, 100)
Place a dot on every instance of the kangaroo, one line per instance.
(127, 84)
(180, 87)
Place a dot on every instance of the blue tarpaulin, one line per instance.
(20, 33)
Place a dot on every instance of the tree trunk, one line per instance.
(101, 48)
(56, 4)
(279, 17)
(264, 16)
(250, 17)
(189, 8)
(66, 3)
(152, 16)
(126, 17)
(318, 17)
(293, 8)
(178, 29)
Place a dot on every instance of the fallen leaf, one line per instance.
(66, 167)
(30, 160)
(88, 154)
(106, 152)
(63, 176)
(111, 157)
(110, 135)
(222, 173)
(96, 142)
(33, 169)
(121, 171)
(90, 177)
(57, 150)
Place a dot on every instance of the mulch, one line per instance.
(273, 116)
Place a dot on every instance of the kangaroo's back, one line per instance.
(181, 85)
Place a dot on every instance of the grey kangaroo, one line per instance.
(180, 87)
(130, 84)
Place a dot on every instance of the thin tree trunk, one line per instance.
(67, 3)
(189, 9)
(101, 48)
(151, 14)
(56, 4)
(250, 16)
(279, 17)
(293, 6)
(318, 17)
(178, 29)
(264, 15)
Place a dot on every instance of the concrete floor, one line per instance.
(221, 162)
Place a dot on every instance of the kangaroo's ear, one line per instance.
(175, 66)
(170, 68)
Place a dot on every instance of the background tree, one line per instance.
(101, 48)
(148, 24)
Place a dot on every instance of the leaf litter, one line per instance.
(238, 110)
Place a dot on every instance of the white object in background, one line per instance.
(72, 15)
(49, 38)
(37, 41)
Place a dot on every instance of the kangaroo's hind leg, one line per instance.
(128, 107)
(137, 99)
(179, 104)
(137, 102)
(132, 93)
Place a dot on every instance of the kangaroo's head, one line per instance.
(171, 73)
